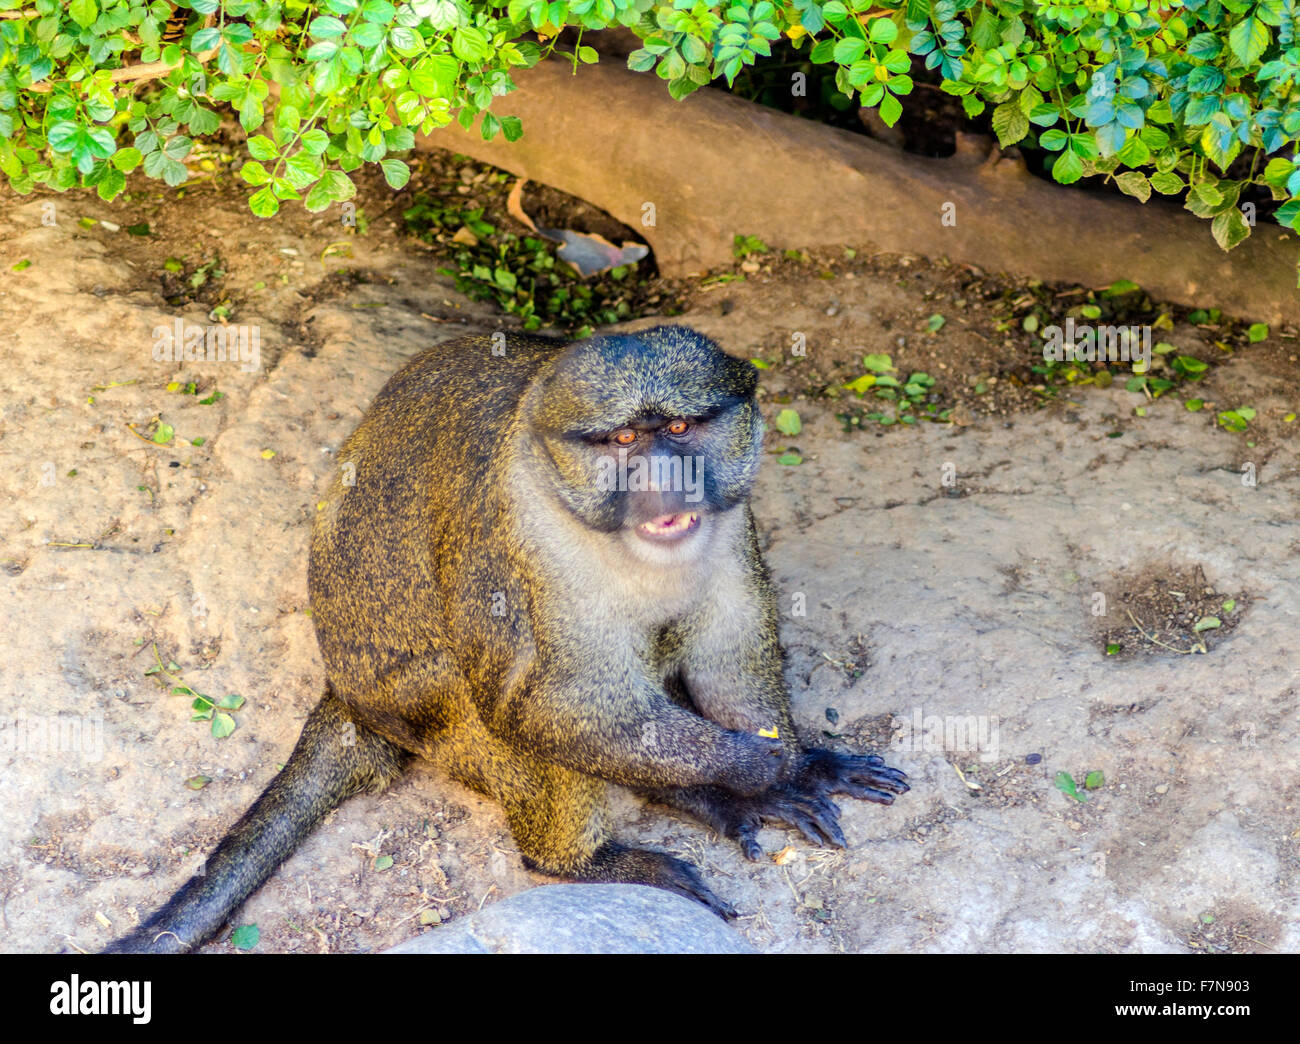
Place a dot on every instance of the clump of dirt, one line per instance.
(1234, 927)
(1168, 609)
(185, 281)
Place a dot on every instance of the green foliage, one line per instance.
(521, 273)
(1162, 96)
(913, 399)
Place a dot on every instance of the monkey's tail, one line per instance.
(335, 758)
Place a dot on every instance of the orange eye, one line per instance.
(625, 437)
(678, 427)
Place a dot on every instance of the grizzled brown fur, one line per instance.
(482, 600)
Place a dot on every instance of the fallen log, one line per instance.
(691, 175)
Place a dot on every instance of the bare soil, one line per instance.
(939, 588)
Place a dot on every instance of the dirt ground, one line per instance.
(998, 600)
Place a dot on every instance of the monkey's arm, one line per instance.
(734, 674)
(620, 728)
(733, 667)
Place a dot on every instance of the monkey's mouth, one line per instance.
(667, 528)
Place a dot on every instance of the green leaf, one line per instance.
(1229, 228)
(260, 147)
(1167, 183)
(1135, 184)
(254, 173)
(788, 422)
(1068, 167)
(1257, 332)
(333, 187)
(263, 203)
(1248, 40)
(1009, 123)
(878, 363)
(882, 31)
(222, 725)
(326, 28)
(127, 159)
(1207, 623)
(890, 107)
(84, 12)
(245, 937)
(1093, 780)
(849, 49)
(163, 434)
(314, 141)
(1064, 782)
(396, 173)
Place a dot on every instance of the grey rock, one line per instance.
(570, 918)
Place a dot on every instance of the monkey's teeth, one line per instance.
(670, 525)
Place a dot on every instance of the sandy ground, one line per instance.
(934, 579)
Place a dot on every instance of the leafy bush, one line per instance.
(1170, 96)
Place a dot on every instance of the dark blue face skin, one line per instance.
(667, 405)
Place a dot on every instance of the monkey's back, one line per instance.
(401, 558)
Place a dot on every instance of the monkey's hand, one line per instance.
(864, 776)
(803, 801)
(741, 817)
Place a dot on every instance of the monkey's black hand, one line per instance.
(805, 802)
(802, 801)
(864, 776)
(740, 818)
(814, 815)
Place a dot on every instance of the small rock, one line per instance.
(1162, 788)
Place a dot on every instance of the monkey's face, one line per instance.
(651, 437)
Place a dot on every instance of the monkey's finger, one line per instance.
(749, 844)
(828, 823)
(865, 793)
(873, 772)
(825, 816)
(744, 831)
(817, 819)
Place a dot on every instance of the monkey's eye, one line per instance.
(678, 427)
(625, 437)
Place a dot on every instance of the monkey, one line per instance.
(538, 569)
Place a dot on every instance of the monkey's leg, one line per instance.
(334, 759)
(558, 821)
